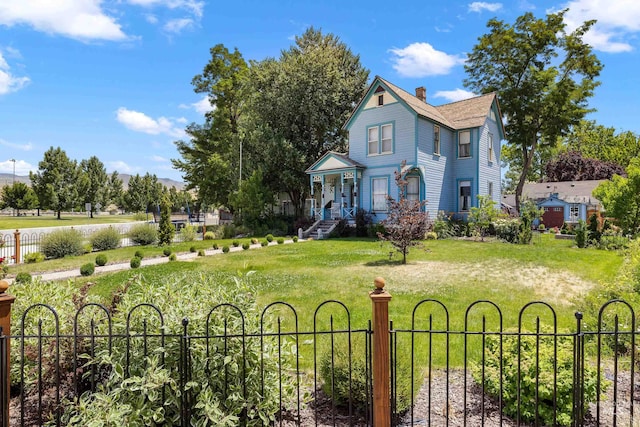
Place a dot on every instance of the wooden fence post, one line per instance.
(381, 357)
(5, 350)
(16, 247)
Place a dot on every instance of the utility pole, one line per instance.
(14, 170)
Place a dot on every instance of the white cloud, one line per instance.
(176, 26)
(151, 19)
(182, 120)
(617, 22)
(196, 7)
(8, 81)
(140, 122)
(159, 159)
(444, 29)
(203, 106)
(421, 60)
(22, 147)
(77, 19)
(121, 167)
(22, 168)
(454, 95)
(479, 6)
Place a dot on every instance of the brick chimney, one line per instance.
(421, 93)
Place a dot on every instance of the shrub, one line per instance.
(209, 235)
(339, 371)
(101, 259)
(138, 254)
(541, 227)
(280, 240)
(143, 234)
(188, 233)
(23, 277)
(295, 239)
(507, 229)
(264, 243)
(166, 251)
(172, 257)
(87, 248)
(33, 257)
(87, 269)
(581, 234)
(61, 243)
(215, 246)
(254, 241)
(431, 235)
(139, 216)
(545, 372)
(269, 238)
(225, 249)
(135, 262)
(105, 239)
(443, 227)
(245, 246)
(235, 243)
(201, 252)
(192, 249)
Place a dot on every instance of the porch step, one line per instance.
(321, 229)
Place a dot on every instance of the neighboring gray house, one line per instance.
(567, 201)
(452, 155)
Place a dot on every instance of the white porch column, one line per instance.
(342, 195)
(313, 199)
(323, 202)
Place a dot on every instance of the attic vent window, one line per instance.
(380, 99)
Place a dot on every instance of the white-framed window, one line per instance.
(379, 188)
(490, 154)
(464, 144)
(464, 191)
(387, 139)
(380, 139)
(490, 189)
(574, 212)
(373, 140)
(436, 139)
(413, 188)
(380, 100)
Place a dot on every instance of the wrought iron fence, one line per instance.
(487, 372)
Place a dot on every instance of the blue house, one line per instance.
(452, 155)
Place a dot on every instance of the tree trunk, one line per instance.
(59, 214)
(526, 165)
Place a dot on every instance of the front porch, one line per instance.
(335, 180)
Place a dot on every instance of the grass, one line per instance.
(454, 272)
(14, 223)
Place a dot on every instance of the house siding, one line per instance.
(489, 171)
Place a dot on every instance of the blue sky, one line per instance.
(112, 78)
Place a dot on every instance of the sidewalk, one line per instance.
(184, 256)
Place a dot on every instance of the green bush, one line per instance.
(264, 243)
(339, 389)
(581, 234)
(280, 240)
(192, 249)
(209, 235)
(431, 235)
(545, 373)
(143, 234)
(188, 233)
(269, 238)
(295, 239)
(23, 277)
(254, 241)
(215, 246)
(105, 239)
(101, 259)
(225, 249)
(507, 229)
(201, 252)
(245, 246)
(140, 216)
(61, 243)
(166, 251)
(87, 269)
(139, 254)
(172, 257)
(236, 243)
(135, 262)
(33, 257)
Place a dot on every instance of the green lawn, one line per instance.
(13, 222)
(454, 272)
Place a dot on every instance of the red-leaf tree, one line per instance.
(406, 222)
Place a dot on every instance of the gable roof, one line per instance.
(332, 161)
(457, 115)
(567, 191)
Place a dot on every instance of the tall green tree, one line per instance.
(115, 190)
(19, 196)
(251, 199)
(166, 230)
(603, 143)
(94, 188)
(543, 75)
(620, 198)
(211, 157)
(304, 98)
(135, 198)
(56, 181)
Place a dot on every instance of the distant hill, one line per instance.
(7, 179)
